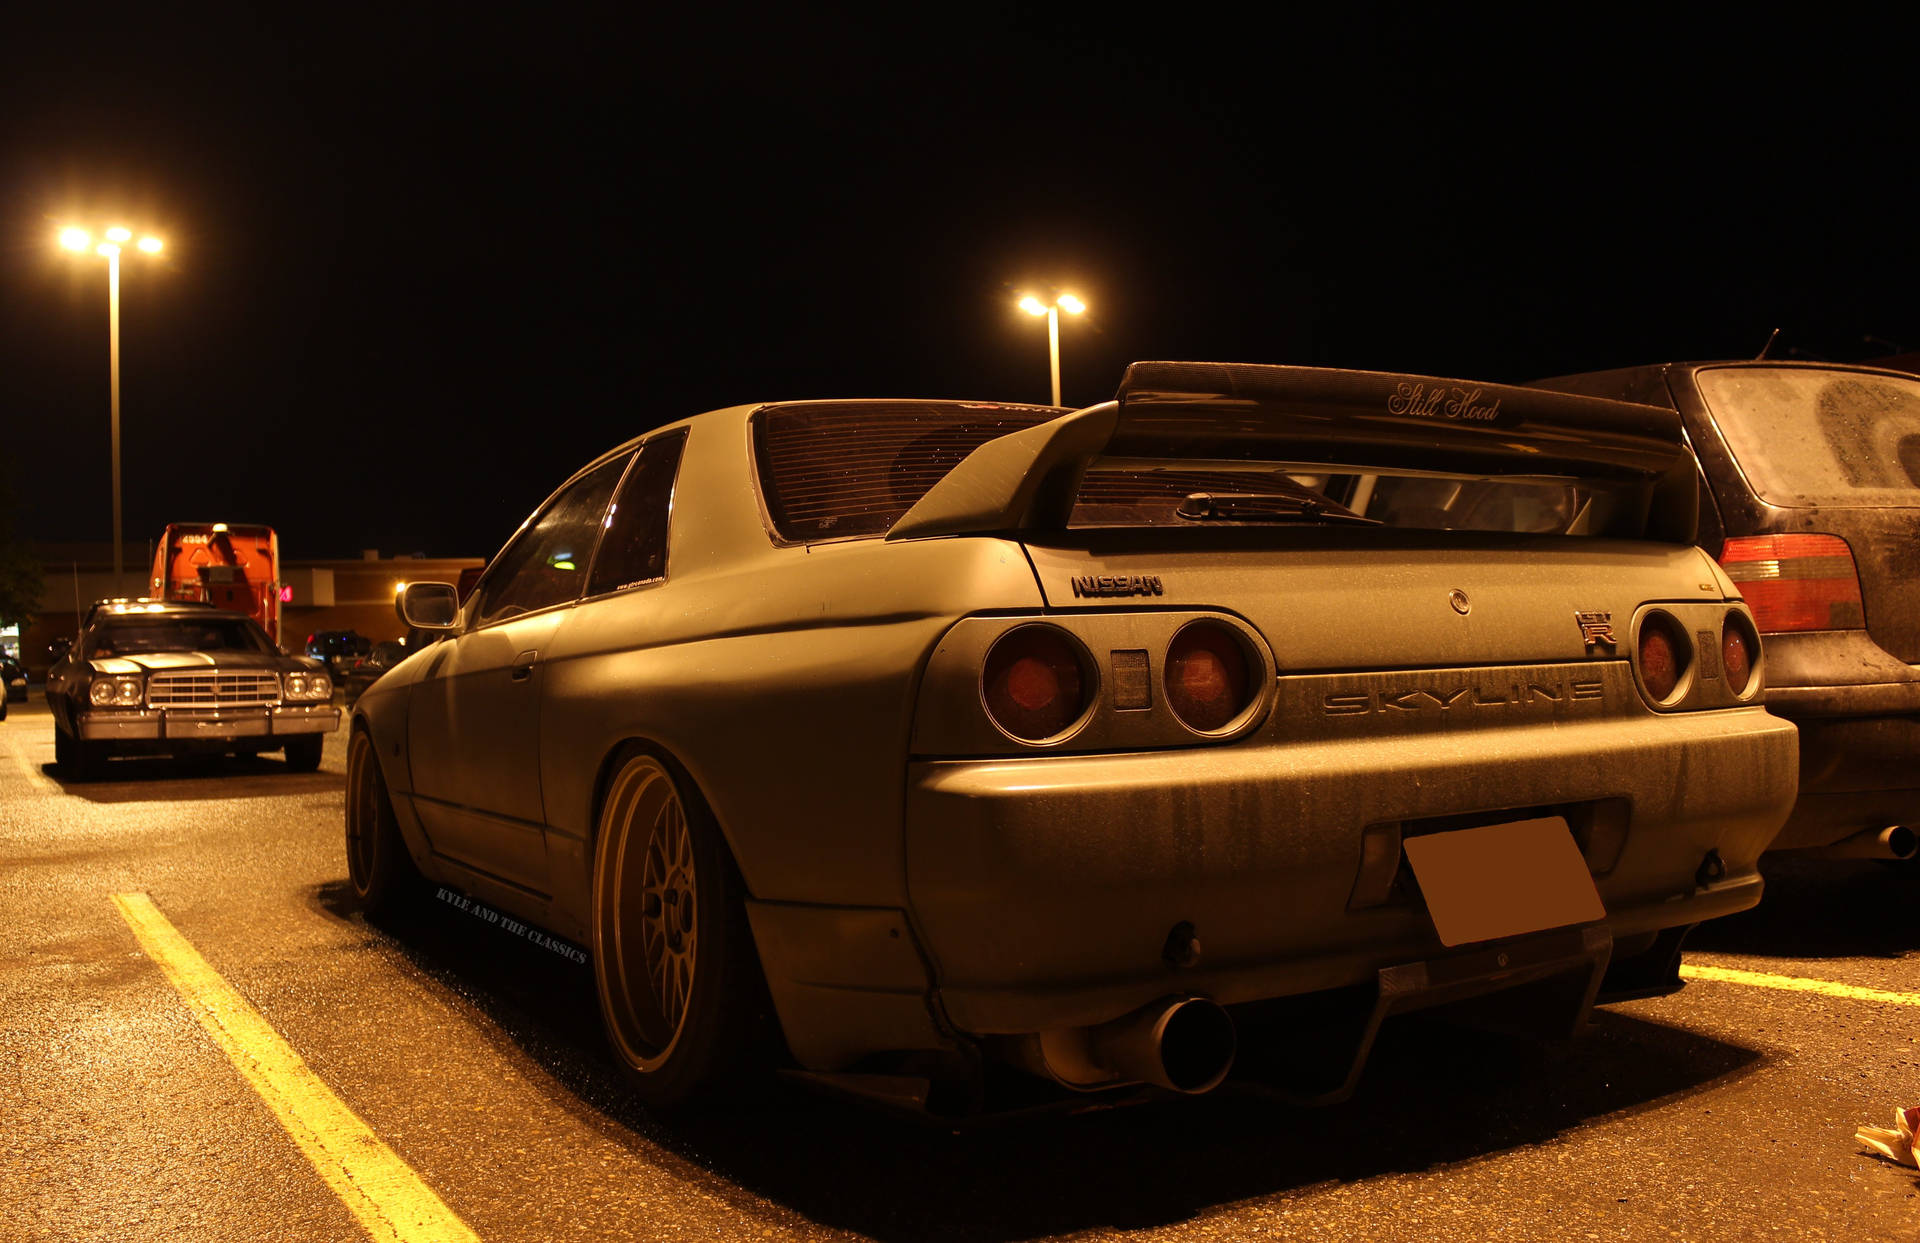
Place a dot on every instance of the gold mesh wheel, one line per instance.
(646, 898)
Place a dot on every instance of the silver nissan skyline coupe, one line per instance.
(919, 744)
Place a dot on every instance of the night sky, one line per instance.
(419, 269)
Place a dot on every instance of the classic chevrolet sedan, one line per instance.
(921, 744)
(167, 677)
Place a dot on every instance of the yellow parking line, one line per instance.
(378, 1187)
(35, 778)
(1796, 984)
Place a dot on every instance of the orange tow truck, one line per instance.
(228, 565)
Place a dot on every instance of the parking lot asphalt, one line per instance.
(473, 1056)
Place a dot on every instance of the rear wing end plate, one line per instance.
(1026, 481)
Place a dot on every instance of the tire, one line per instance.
(303, 754)
(379, 870)
(679, 990)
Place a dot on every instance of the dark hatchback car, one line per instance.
(1810, 500)
(153, 677)
(338, 649)
(366, 670)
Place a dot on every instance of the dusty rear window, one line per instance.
(835, 471)
(1806, 436)
(830, 471)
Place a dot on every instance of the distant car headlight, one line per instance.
(119, 691)
(306, 686)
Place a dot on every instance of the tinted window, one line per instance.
(634, 548)
(178, 634)
(547, 564)
(1808, 436)
(830, 469)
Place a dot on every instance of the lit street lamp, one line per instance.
(80, 241)
(1065, 302)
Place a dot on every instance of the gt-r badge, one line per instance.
(1595, 628)
(1116, 585)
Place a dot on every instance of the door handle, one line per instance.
(523, 665)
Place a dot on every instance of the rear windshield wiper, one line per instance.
(1266, 507)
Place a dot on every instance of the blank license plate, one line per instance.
(1502, 880)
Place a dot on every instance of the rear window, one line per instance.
(832, 470)
(835, 471)
(1807, 436)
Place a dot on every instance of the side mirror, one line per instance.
(428, 606)
(59, 646)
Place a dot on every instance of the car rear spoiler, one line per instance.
(1026, 481)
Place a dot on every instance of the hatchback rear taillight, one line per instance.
(1796, 582)
(1207, 681)
(1036, 683)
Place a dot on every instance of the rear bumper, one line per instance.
(1044, 889)
(1856, 773)
(164, 726)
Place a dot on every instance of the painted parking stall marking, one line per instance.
(379, 1188)
(1796, 984)
(27, 766)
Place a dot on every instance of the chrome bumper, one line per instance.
(178, 724)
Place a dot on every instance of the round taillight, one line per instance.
(1663, 655)
(1035, 683)
(1207, 681)
(1737, 648)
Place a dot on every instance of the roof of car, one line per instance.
(145, 607)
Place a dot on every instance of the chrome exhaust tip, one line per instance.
(1181, 1044)
(1894, 842)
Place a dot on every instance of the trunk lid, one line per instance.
(1351, 598)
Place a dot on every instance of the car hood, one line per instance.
(158, 662)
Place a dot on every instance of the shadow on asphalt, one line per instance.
(140, 779)
(1434, 1093)
(1822, 908)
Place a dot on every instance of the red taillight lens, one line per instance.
(1663, 655)
(1796, 582)
(1207, 682)
(1736, 656)
(1035, 684)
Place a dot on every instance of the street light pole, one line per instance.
(80, 240)
(1053, 348)
(1065, 302)
(113, 367)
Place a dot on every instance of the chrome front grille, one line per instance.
(209, 688)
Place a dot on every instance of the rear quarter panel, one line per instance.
(782, 678)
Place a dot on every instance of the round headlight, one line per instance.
(296, 685)
(127, 692)
(322, 686)
(101, 692)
